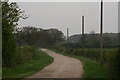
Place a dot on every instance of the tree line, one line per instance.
(33, 36)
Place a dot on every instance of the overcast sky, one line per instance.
(62, 15)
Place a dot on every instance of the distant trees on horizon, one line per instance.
(92, 40)
(39, 37)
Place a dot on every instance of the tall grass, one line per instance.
(112, 63)
(24, 54)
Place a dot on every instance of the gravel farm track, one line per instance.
(62, 67)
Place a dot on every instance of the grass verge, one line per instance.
(39, 61)
(92, 69)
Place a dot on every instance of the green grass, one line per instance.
(0, 72)
(39, 61)
(92, 69)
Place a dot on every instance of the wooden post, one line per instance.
(67, 38)
(101, 34)
(83, 37)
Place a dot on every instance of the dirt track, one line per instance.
(62, 67)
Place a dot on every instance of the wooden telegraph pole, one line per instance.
(67, 38)
(101, 34)
(83, 37)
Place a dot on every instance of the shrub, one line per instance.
(112, 63)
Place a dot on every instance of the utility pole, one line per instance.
(83, 36)
(67, 38)
(101, 34)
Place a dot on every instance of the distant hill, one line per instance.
(77, 37)
(74, 38)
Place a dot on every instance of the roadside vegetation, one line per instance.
(91, 61)
(92, 69)
(28, 61)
